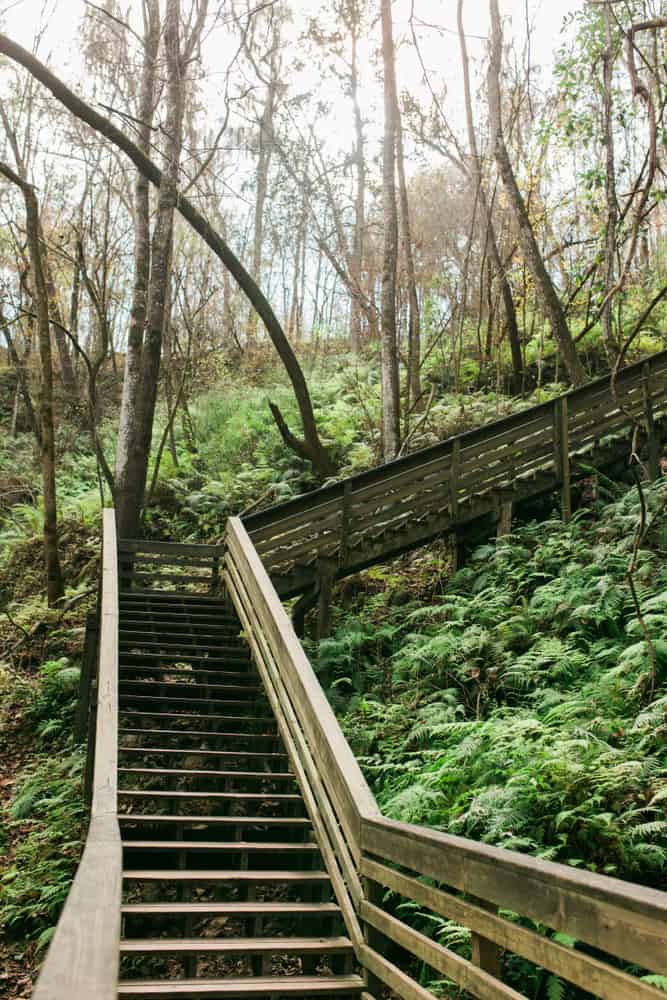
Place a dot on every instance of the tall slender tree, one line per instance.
(391, 430)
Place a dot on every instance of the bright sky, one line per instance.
(440, 49)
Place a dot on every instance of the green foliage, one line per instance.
(522, 706)
(47, 809)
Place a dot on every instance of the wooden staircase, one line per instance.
(224, 890)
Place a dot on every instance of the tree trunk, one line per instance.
(390, 378)
(610, 188)
(478, 179)
(414, 391)
(54, 579)
(129, 456)
(357, 258)
(22, 387)
(265, 142)
(544, 288)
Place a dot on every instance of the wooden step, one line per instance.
(199, 717)
(228, 909)
(271, 986)
(222, 775)
(229, 754)
(198, 734)
(233, 848)
(237, 946)
(187, 796)
(126, 659)
(264, 877)
(136, 614)
(221, 672)
(131, 698)
(197, 689)
(175, 597)
(176, 649)
(239, 821)
(162, 634)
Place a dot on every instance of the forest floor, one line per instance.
(17, 958)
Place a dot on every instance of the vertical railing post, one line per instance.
(454, 479)
(653, 448)
(486, 954)
(562, 455)
(345, 524)
(86, 679)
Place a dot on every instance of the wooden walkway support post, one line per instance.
(562, 455)
(454, 479)
(653, 444)
(504, 513)
(326, 574)
(88, 662)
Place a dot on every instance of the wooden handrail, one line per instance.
(265, 614)
(386, 510)
(469, 882)
(82, 961)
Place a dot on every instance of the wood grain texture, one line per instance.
(82, 961)
(622, 919)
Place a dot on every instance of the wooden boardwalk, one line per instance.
(368, 518)
(234, 848)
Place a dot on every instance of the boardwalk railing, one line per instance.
(82, 961)
(343, 528)
(371, 858)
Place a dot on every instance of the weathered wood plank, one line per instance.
(478, 982)
(620, 918)
(348, 787)
(82, 960)
(591, 974)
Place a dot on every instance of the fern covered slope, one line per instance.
(525, 703)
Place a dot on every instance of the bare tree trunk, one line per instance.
(265, 141)
(22, 387)
(54, 579)
(390, 379)
(478, 179)
(414, 391)
(610, 188)
(129, 457)
(357, 257)
(544, 288)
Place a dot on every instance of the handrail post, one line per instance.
(454, 479)
(86, 679)
(653, 449)
(562, 455)
(486, 954)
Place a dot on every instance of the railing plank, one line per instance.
(348, 787)
(623, 919)
(460, 970)
(604, 981)
(82, 961)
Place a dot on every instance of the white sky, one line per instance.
(440, 50)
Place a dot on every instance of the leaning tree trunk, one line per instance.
(544, 288)
(311, 446)
(480, 192)
(390, 380)
(54, 579)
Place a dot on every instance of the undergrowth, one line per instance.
(518, 703)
